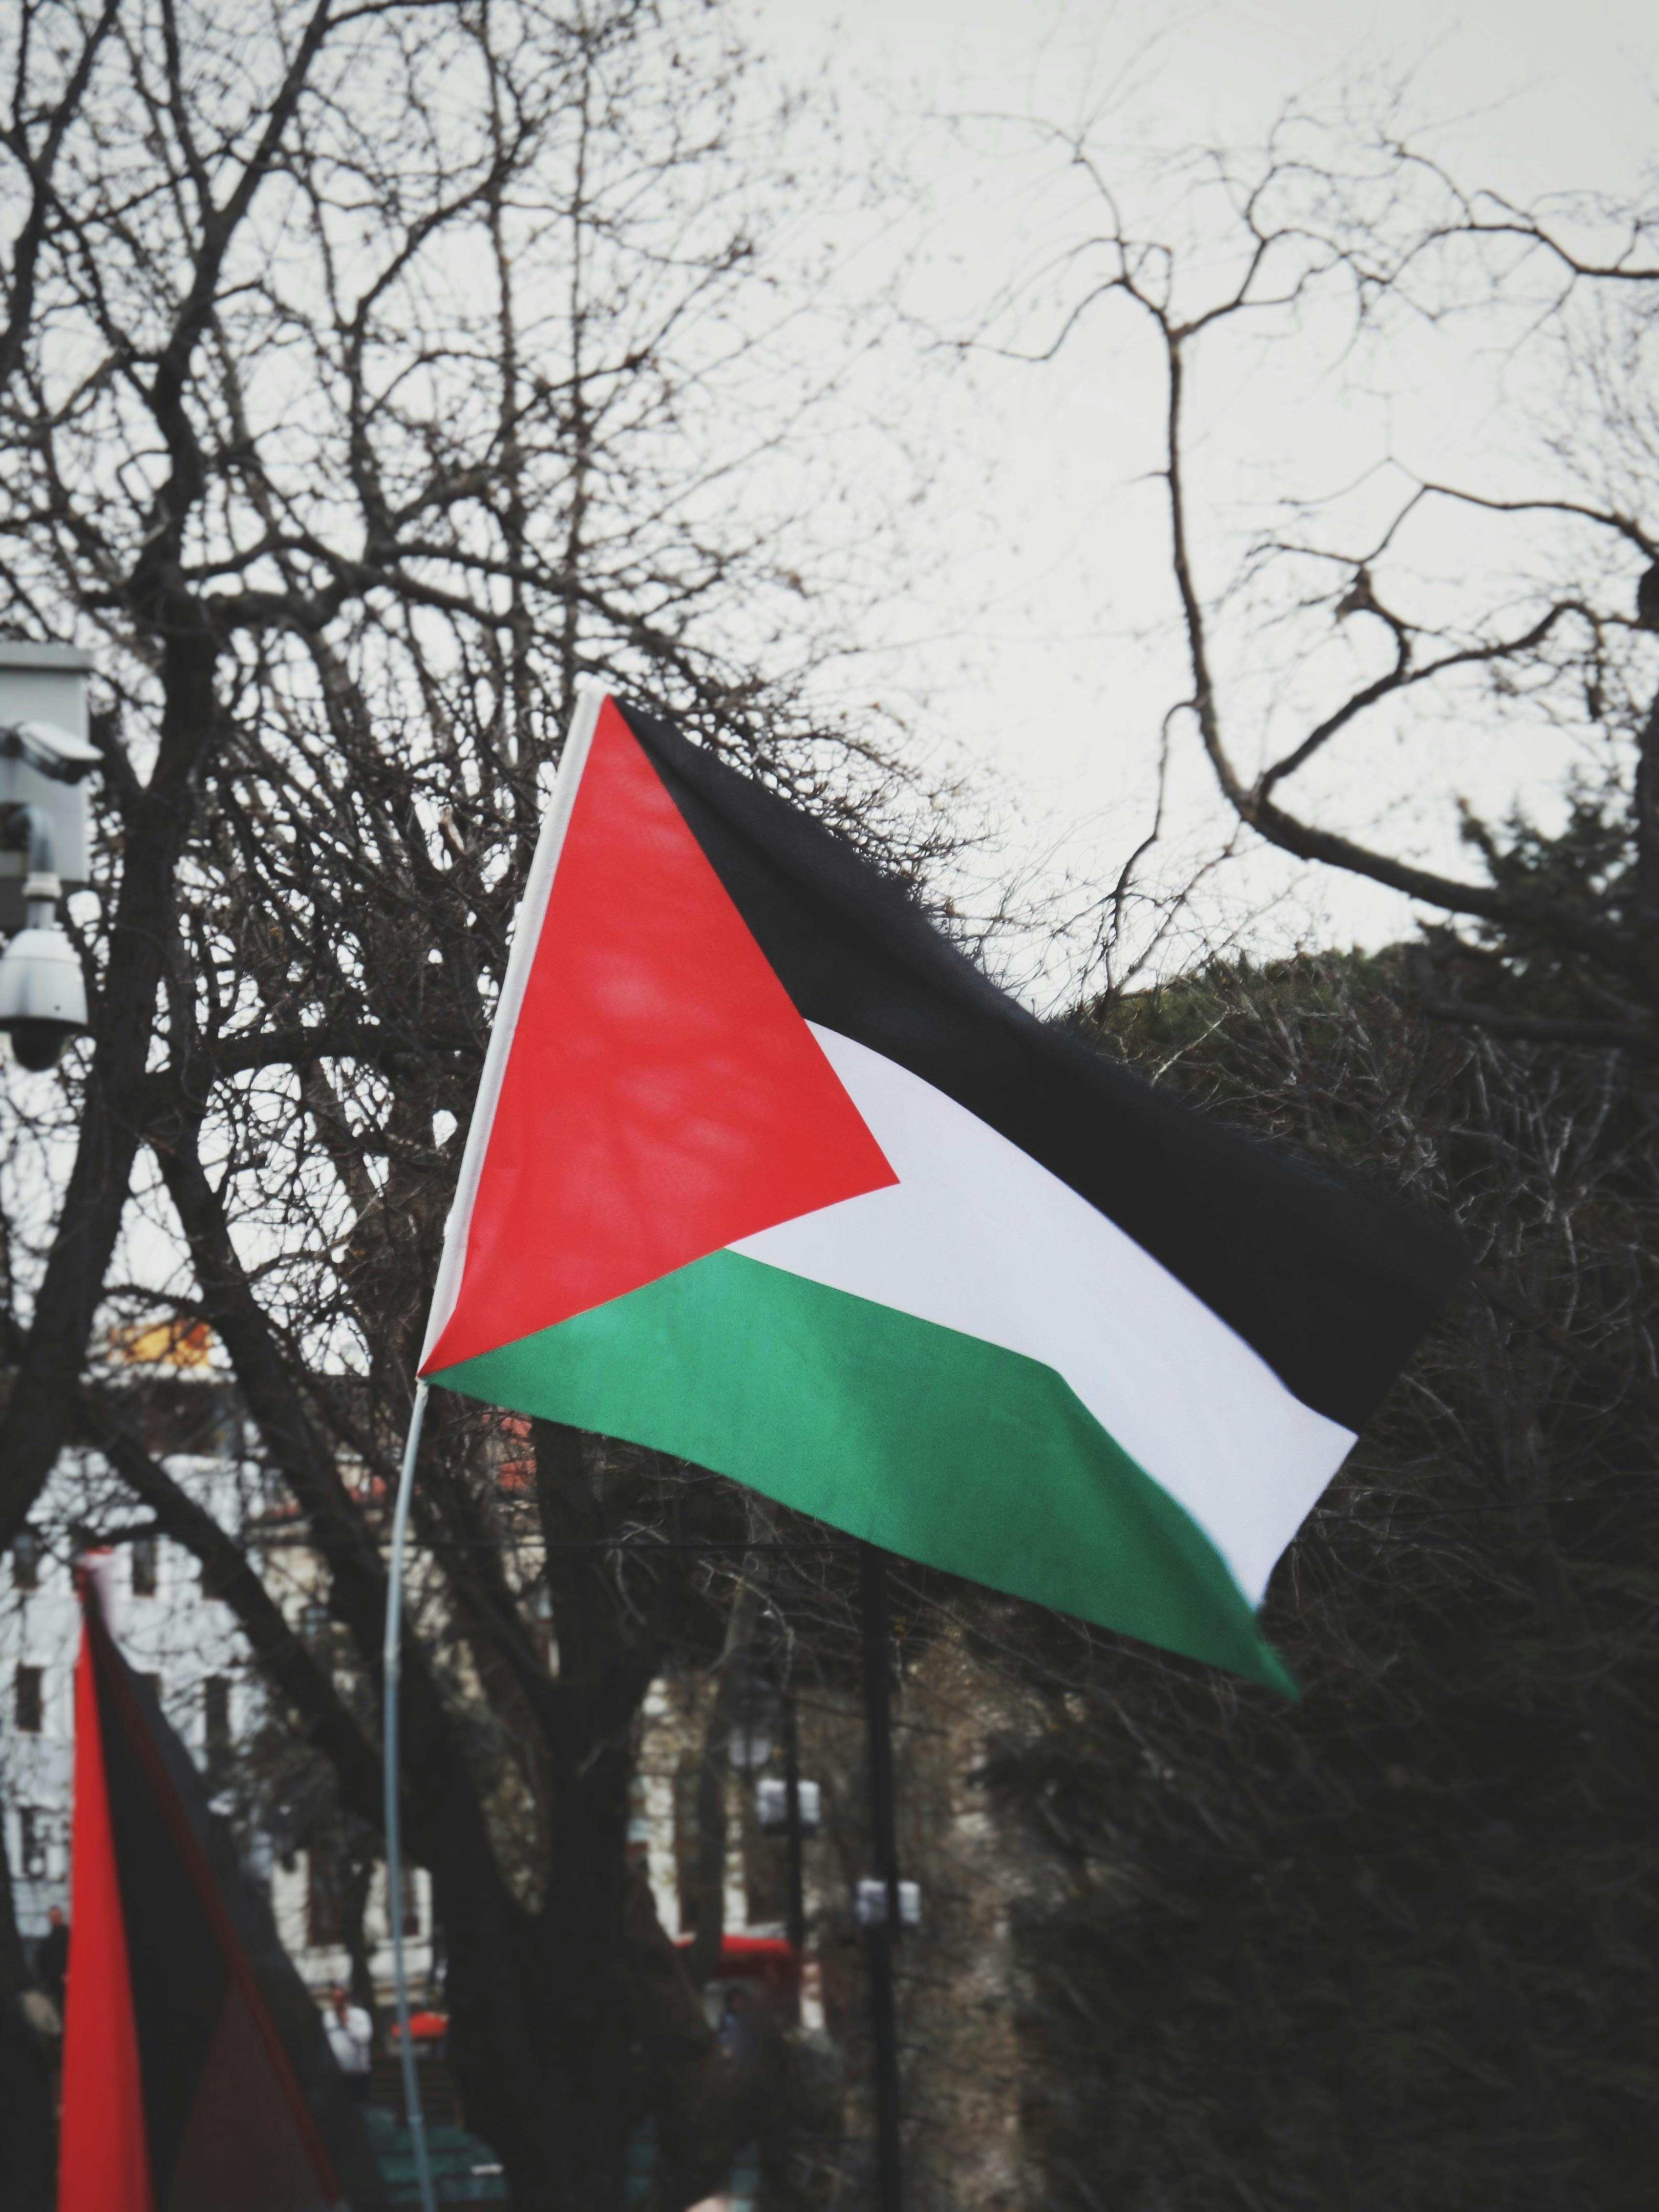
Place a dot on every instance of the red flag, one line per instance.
(181, 2093)
(104, 2159)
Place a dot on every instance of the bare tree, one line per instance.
(1397, 608)
(372, 373)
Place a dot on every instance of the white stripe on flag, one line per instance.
(980, 1238)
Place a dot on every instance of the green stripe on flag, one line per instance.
(933, 1444)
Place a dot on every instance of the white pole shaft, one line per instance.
(391, 1671)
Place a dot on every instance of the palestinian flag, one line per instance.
(766, 1174)
(195, 2074)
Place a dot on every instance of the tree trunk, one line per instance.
(713, 1774)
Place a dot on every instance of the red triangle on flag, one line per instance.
(661, 1097)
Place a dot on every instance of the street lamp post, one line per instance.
(881, 1928)
(796, 1894)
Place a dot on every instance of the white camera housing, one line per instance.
(43, 997)
(46, 752)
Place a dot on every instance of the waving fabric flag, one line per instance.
(195, 2075)
(763, 1173)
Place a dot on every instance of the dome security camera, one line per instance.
(43, 999)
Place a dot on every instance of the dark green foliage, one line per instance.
(1392, 1948)
(1590, 868)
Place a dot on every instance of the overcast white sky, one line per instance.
(1544, 93)
(1042, 666)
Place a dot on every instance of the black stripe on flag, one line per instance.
(1330, 1277)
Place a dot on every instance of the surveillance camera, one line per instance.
(49, 749)
(43, 999)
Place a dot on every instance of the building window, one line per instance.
(765, 1869)
(685, 1845)
(411, 1903)
(144, 1566)
(324, 1900)
(31, 1843)
(30, 1701)
(26, 1561)
(215, 1720)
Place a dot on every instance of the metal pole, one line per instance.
(795, 1898)
(390, 1671)
(882, 1934)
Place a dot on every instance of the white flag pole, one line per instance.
(526, 930)
(390, 1673)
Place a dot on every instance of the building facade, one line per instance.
(172, 1630)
